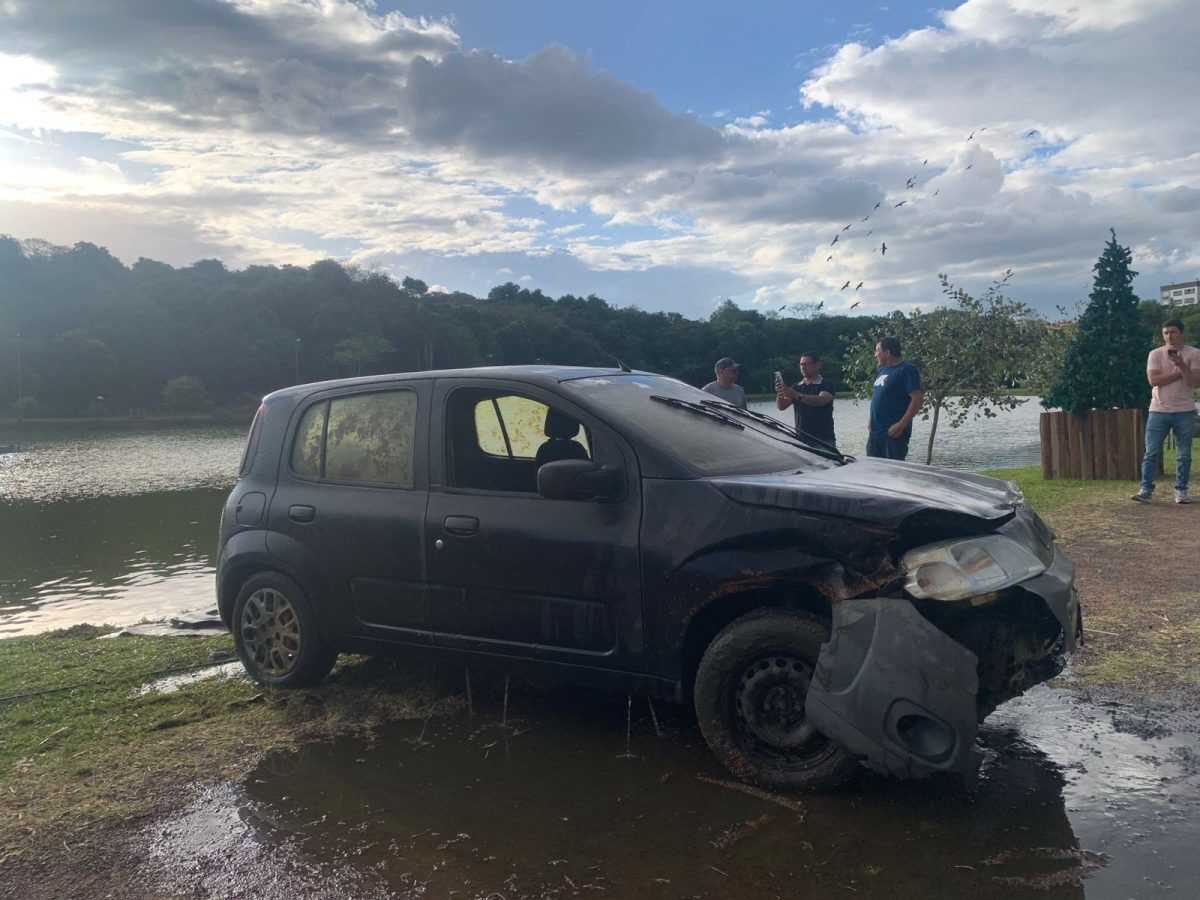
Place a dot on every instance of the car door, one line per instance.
(350, 503)
(512, 572)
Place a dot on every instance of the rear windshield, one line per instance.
(701, 443)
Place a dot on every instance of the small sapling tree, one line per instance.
(971, 354)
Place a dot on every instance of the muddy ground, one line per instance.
(636, 807)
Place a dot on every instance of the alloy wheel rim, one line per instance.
(270, 630)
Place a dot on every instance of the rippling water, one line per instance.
(116, 526)
(111, 526)
(1007, 441)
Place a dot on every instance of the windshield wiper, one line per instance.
(713, 414)
(809, 442)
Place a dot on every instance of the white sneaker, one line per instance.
(1181, 496)
(1142, 496)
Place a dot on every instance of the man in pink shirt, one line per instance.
(1173, 371)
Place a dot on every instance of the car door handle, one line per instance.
(463, 526)
(302, 513)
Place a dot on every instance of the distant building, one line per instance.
(1185, 294)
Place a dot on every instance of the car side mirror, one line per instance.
(577, 479)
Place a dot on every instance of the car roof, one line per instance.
(545, 375)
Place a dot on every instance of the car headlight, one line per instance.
(967, 567)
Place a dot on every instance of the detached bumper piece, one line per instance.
(893, 689)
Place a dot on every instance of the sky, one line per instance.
(666, 155)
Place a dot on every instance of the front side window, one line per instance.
(497, 441)
(515, 427)
(367, 438)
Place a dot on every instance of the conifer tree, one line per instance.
(1105, 365)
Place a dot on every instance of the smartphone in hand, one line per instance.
(778, 378)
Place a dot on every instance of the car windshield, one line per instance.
(680, 419)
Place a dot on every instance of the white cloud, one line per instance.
(275, 131)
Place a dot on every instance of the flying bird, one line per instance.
(970, 167)
(877, 205)
(871, 232)
(855, 303)
(1031, 132)
(925, 163)
(844, 286)
(970, 137)
(819, 305)
(938, 191)
(829, 257)
(847, 228)
(860, 284)
(883, 249)
(834, 241)
(864, 218)
(900, 204)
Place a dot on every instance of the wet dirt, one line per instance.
(558, 797)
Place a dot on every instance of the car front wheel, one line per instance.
(750, 691)
(277, 634)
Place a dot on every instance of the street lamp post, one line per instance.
(297, 360)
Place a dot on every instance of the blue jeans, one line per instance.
(1157, 426)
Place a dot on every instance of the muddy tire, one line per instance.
(750, 691)
(277, 635)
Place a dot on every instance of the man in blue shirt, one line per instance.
(896, 398)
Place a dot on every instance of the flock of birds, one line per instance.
(882, 248)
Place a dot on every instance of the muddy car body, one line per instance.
(622, 529)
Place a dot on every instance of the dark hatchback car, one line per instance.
(622, 529)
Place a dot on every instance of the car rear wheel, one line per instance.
(277, 634)
(750, 691)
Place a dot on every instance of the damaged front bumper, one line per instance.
(895, 690)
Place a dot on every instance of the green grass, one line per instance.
(79, 748)
(1049, 496)
(64, 691)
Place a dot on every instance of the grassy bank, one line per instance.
(1049, 496)
(82, 750)
(1137, 581)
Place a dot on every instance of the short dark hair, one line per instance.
(1177, 323)
(891, 345)
(815, 357)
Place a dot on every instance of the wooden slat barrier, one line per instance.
(1101, 444)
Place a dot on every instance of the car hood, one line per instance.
(878, 490)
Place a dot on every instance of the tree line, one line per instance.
(86, 326)
(84, 334)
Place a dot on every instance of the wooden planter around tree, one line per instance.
(1095, 445)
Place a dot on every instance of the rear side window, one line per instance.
(367, 438)
(252, 441)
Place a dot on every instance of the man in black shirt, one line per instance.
(812, 397)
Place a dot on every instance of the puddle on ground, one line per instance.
(560, 799)
(171, 683)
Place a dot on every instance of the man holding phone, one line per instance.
(1173, 371)
(812, 398)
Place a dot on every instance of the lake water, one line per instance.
(116, 526)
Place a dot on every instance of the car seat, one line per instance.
(559, 430)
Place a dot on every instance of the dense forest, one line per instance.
(89, 327)
(87, 335)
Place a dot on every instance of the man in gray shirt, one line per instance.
(725, 387)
